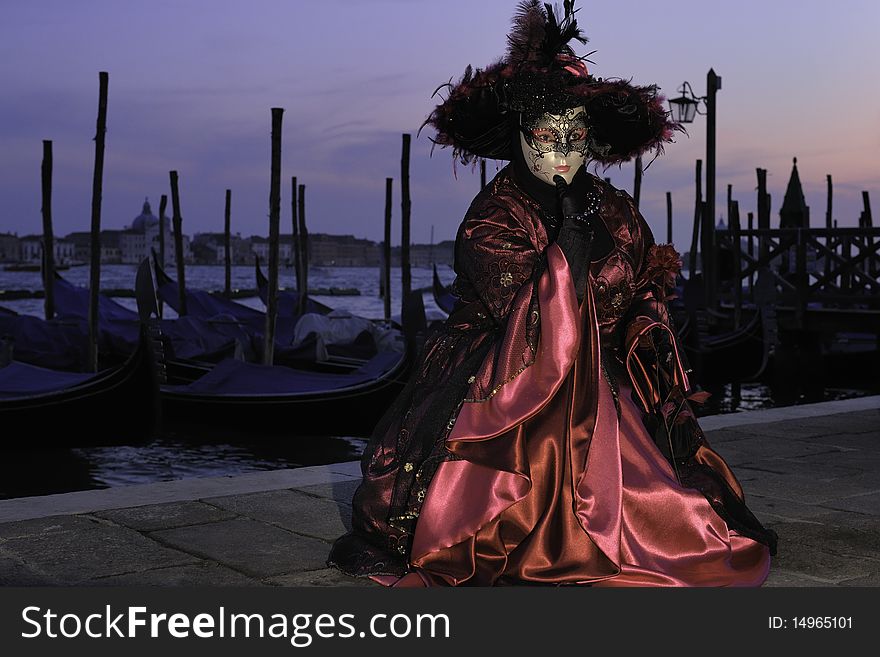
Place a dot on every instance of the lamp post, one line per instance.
(684, 108)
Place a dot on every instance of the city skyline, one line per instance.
(192, 83)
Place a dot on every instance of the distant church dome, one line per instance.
(146, 220)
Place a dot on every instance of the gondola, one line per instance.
(443, 296)
(207, 306)
(60, 409)
(733, 355)
(236, 318)
(349, 339)
(189, 338)
(288, 300)
(34, 341)
(736, 356)
(272, 400)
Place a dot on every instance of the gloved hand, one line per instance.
(578, 202)
(577, 206)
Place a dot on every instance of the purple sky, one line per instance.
(192, 83)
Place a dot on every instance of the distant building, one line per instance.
(10, 247)
(130, 245)
(209, 249)
(144, 235)
(260, 248)
(65, 252)
(31, 250)
(324, 250)
(342, 251)
(794, 213)
(426, 255)
(82, 246)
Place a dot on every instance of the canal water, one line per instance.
(27, 469)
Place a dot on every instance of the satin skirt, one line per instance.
(625, 521)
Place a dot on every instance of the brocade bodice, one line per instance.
(500, 246)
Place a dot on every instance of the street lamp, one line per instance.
(687, 105)
(683, 109)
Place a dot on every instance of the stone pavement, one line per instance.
(810, 472)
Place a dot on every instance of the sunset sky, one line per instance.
(192, 83)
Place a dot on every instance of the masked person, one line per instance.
(547, 435)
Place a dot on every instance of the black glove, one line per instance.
(577, 206)
(578, 201)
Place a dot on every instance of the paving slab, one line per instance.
(14, 572)
(846, 441)
(867, 504)
(764, 447)
(204, 573)
(248, 546)
(805, 488)
(324, 577)
(772, 510)
(295, 511)
(780, 577)
(862, 422)
(822, 566)
(39, 527)
(165, 516)
(787, 430)
(870, 580)
(340, 492)
(828, 474)
(848, 542)
(720, 436)
(867, 460)
(72, 557)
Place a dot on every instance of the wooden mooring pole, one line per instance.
(386, 250)
(871, 262)
(405, 209)
(274, 226)
(48, 237)
(637, 183)
(669, 217)
(177, 221)
(735, 234)
(163, 203)
(294, 246)
(763, 216)
(710, 264)
(751, 248)
(227, 246)
(698, 218)
(303, 250)
(95, 238)
(829, 221)
(482, 174)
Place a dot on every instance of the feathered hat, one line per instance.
(541, 74)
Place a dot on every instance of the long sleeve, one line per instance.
(654, 358)
(650, 338)
(495, 257)
(647, 307)
(575, 244)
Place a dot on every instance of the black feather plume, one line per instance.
(537, 36)
(527, 32)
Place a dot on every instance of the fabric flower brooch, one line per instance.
(662, 267)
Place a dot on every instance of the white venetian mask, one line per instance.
(555, 144)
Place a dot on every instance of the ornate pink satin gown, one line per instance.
(518, 453)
